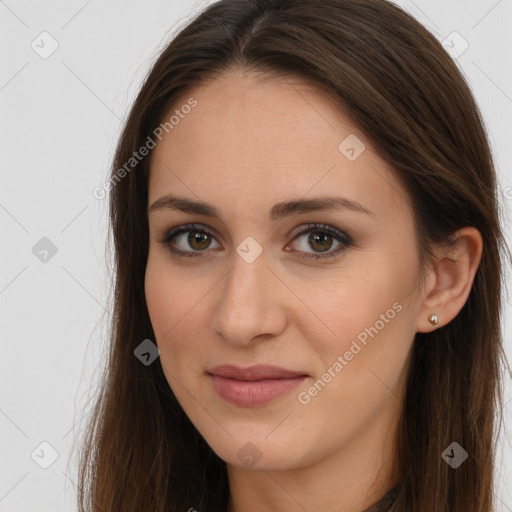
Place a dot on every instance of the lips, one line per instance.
(253, 386)
(259, 372)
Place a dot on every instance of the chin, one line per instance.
(258, 453)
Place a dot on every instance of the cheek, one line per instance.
(347, 303)
(361, 366)
(366, 317)
(170, 306)
(170, 295)
(159, 298)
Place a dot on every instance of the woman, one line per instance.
(303, 205)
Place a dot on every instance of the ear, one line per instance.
(449, 282)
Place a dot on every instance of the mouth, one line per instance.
(254, 386)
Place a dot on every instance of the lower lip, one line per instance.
(253, 393)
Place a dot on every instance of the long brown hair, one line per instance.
(393, 78)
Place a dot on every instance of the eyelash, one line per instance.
(338, 235)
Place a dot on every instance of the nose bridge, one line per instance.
(247, 303)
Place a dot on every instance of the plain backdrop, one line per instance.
(69, 73)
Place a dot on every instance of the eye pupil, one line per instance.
(320, 238)
(198, 237)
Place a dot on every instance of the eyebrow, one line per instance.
(278, 211)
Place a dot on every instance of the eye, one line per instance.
(198, 238)
(321, 238)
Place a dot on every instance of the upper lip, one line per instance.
(257, 372)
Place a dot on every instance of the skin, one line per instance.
(247, 145)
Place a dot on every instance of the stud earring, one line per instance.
(433, 319)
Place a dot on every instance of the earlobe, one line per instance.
(452, 277)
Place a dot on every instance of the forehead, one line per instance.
(252, 142)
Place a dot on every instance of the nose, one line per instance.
(249, 303)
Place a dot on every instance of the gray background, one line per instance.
(60, 117)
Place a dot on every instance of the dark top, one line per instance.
(386, 502)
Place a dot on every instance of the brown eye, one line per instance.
(198, 240)
(321, 238)
(320, 241)
(188, 240)
(192, 241)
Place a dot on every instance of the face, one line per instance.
(265, 276)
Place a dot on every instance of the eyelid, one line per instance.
(341, 237)
(302, 230)
(180, 228)
(175, 231)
